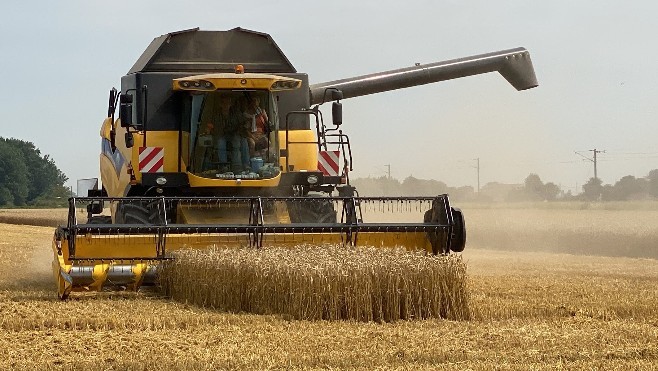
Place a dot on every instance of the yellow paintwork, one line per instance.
(136, 251)
(303, 153)
(229, 213)
(302, 156)
(168, 140)
(198, 181)
(127, 248)
(144, 246)
(235, 81)
(99, 275)
(115, 183)
(61, 268)
(106, 128)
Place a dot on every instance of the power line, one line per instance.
(633, 153)
(595, 152)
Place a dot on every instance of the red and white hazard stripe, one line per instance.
(328, 162)
(151, 159)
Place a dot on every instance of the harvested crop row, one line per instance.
(320, 282)
(36, 217)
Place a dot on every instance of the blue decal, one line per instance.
(115, 157)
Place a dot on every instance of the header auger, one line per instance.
(220, 141)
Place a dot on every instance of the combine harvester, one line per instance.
(220, 141)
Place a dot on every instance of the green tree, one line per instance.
(381, 186)
(592, 189)
(626, 188)
(652, 179)
(533, 184)
(550, 191)
(535, 190)
(422, 187)
(27, 177)
(14, 184)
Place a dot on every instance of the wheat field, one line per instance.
(36, 217)
(531, 309)
(320, 282)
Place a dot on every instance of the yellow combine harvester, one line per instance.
(220, 141)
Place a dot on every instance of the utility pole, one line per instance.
(389, 170)
(595, 151)
(478, 169)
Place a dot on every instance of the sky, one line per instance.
(595, 62)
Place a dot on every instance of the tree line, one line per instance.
(28, 178)
(532, 189)
(410, 186)
(626, 188)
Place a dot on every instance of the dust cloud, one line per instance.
(625, 229)
(27, 253)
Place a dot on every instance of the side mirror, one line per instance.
(337, 113)
(130, 141)
(126, 110)
(111, 105)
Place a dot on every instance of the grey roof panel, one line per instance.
(213, 51)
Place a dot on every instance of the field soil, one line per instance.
(532, 309)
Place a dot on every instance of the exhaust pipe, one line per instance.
(514, 64)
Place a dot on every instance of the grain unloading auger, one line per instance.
(206, 152)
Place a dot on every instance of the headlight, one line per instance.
(312, 179)
(161, 180)
(196, 85)
(285, 84)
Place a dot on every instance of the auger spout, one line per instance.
(514, 64)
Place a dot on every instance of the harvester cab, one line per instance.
(221, 141)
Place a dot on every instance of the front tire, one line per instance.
(138, 212)
(438, 239)
(315, 210)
